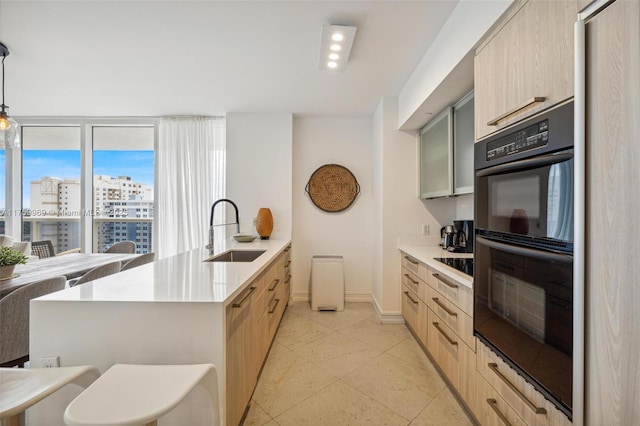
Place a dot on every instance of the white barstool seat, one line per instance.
(140, 394)
(20, 388)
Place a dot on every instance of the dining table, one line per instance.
(69, 265)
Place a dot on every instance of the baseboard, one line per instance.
(349, 296)
(392, 317)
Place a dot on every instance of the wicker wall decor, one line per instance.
(332, 188)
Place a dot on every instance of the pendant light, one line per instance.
(8, 126)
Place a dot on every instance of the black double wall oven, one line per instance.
(523, 260)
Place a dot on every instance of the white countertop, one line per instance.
(181, 278)
(427, 255)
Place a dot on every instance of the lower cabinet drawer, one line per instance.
(456, 293)
(491, 409)
(444, 346)
(410, 263)
(412, 281)
(453, 356)
(274, 312)
(415, 313)
(452, 315)
(263, 339)
(529, 404)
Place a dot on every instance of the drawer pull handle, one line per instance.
(411, 260)
(445, 281)
(530, 102)
(288, 279)
(275, 284)
(410, 298)
(444, 308)
(286, 265)
(538, 410)
(451, 342)
(274, 306)
(494, 406)
(287, 249)
(411, 279)
(249, 293)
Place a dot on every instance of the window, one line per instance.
(123, 157)
(51, 185)
(74, 179)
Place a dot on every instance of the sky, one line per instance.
(65, 164)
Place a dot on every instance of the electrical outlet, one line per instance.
(425, 229)
(50, 361)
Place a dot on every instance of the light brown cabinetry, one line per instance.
(612, 205)
(241, 373)
(252, 320)
(524, 66)
(491, 408)
(523, 400)
(432, 307)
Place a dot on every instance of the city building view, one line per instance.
(122, 210)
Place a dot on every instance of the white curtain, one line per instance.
(190, 177)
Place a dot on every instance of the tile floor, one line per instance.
(345, 368)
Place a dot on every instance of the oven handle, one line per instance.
(524, 251)
(529, 163)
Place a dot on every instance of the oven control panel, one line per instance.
(531, 137)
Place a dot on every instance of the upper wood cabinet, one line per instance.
(526, 65)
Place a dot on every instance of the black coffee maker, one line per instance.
(462, 236)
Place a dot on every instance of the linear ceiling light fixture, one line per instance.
(8, 126)
(335, 47)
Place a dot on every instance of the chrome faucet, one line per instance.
(211, 225)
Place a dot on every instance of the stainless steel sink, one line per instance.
(236, 256)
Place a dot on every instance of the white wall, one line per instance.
(259, 161)
(348, 142)
(403, 213)
(467, 23)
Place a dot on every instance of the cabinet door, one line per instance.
(241, 373)
(463, 139)
(436, 163)
(612, 267)
(530, 58)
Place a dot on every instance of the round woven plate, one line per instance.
(332, 188)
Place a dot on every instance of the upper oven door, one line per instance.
(528, 199)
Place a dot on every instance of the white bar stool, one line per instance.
(140, 394)
(20, 388)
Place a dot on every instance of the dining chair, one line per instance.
(122, 247)
(6, 241)
(14, 319)
(97, 272)
(138, 261)
(42, 249)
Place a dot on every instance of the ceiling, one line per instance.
(154, 58)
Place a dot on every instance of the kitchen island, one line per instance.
(178, 310)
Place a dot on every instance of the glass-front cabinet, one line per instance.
(463, 140)
(446, 152)
(436, 149)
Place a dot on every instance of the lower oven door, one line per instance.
(523, 309)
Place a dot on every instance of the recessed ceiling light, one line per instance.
(335, 47)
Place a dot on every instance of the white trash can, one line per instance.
(327, 283)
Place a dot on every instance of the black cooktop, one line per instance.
(463, 265)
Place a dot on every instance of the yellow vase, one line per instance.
(264, 223)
